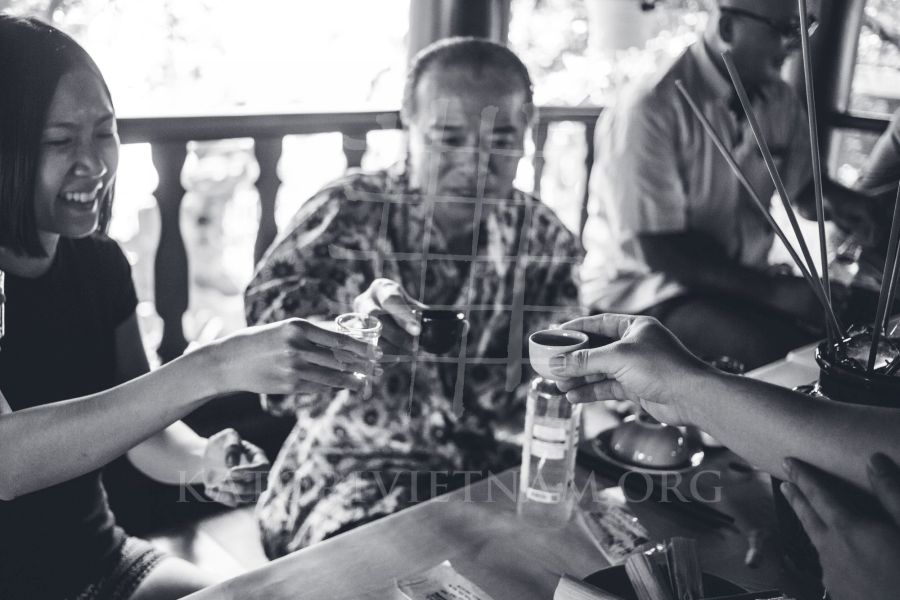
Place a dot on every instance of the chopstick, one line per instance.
(814, 148)
(888, 288)
(895, 282)
(770, 165)
(831, 319)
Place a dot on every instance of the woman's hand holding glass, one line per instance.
(290, 357)
(645, 363)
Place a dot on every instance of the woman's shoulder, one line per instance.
(97, 257)
(97, 247)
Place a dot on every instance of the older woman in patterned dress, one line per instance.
(445, 229)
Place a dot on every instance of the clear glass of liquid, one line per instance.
(360, 326)
(365, 328)
(357, 325)
(547, 479)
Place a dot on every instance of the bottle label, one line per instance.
(550, 439)
(550, 434)
(542, 496)
(548, 450)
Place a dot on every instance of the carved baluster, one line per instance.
(590, 129)
(355, 145)
(540, 132)
(171, 266)
(268, 153)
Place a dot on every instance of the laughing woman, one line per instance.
(72, 333)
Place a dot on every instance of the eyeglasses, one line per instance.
(789, 32)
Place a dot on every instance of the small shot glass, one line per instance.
(362, 327)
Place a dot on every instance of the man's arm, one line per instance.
(699, 263)
(855, 212)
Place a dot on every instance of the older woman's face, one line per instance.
(79, 156)
(467, 134)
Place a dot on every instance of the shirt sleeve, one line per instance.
(314, 272)
(637, 178)
(120, 298)
(883, 165)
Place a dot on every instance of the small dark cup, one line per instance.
(442, 330)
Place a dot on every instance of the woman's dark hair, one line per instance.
(472, 54)
(33, 58)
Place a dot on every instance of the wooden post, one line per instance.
(834, 51)
(432, 20)
(354, 145)
(539, 134)
(590, 130)
(268, 153)
(170, 266)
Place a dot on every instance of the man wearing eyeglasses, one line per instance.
(670, 232)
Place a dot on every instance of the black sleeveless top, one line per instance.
(60, 344)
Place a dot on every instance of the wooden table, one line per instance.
(477, 529)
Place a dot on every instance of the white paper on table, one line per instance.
(440, 583)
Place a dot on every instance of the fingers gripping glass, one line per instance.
(788, 31)
(357, 325)
(365, 328)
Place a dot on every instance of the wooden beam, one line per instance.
(432, 20)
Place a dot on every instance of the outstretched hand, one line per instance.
(292, 356)
(645, 363)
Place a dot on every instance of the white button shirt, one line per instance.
(656, 171)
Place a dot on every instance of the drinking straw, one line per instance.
(773, 170)
(814, 145)
(815, 151)
(895, 282)
(887, 284)
(732, 162)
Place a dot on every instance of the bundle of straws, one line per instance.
(821, 287)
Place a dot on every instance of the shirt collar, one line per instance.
(717, 84)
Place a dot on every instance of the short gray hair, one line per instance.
(473, 54)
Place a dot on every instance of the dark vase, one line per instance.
(840, 384)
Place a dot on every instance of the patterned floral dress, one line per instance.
(351, 460)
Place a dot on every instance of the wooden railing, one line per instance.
(169, 138)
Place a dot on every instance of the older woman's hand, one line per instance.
(291, 356)
(399, 314)
(234, 471)
(645, 363)
(859, 552)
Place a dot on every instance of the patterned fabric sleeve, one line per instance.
(314, 271)
(557, 283)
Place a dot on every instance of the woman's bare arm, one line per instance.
(49, 444)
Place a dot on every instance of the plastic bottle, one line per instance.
(546, 482)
